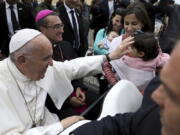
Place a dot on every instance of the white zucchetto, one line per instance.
(20, 38)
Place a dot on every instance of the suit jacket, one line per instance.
(64, 51)
(100, 15)
(171, 32)
(146, 121)
(105, 10)
(26, 20)
(68, 34)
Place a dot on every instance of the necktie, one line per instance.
(13, 19)
(76, 35)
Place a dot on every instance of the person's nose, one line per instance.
(62, 30)
(129, 28)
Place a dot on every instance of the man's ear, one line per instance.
(42, 29)
(21, 59)
(141, 54)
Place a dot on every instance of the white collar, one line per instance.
(14, 5)
(67, 8)
(15, 71)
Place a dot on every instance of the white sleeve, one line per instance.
(52, 129)
(115, 43)
(81, 67)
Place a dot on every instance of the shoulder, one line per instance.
(5, 78)
(65, 44)
(61, 8)
(2, 4)
(101, 32)
(23, 7)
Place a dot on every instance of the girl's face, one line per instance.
(134, 53)
(116, 22)
(131, 24)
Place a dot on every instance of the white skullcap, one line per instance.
(20, 38)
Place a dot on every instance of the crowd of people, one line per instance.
(43, 63)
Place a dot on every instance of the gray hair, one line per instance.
(24, 50)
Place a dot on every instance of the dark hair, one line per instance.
(43, 22)
(109, 27)
(139, 10)
(147, 43)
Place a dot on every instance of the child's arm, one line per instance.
(99, 36)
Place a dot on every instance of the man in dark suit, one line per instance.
(73, 34)
(24, 18)
(145, 121)
(107, 7)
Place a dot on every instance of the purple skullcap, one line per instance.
(43, 13)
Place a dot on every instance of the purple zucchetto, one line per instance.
(43, 13)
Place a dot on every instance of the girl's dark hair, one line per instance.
(109, 27)
(147, 43)
(139, 10)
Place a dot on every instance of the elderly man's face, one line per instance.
(40, 58)
(54, 29)
(167, 96)
(71, 3)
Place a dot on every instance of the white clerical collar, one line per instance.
(14, 5)
(18, 75)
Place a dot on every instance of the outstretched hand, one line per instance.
(70, 120)
(122, 49)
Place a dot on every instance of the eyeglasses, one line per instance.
(56, 26)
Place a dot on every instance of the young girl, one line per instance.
(140, 63)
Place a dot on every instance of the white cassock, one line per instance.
(14, 115)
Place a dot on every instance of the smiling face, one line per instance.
(131, 24)
(116, 23)
(36, 61)
(167, 96)
(54, 28)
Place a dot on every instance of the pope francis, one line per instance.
(29, 73)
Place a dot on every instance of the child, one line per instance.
(104, 44)
(143, 58)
